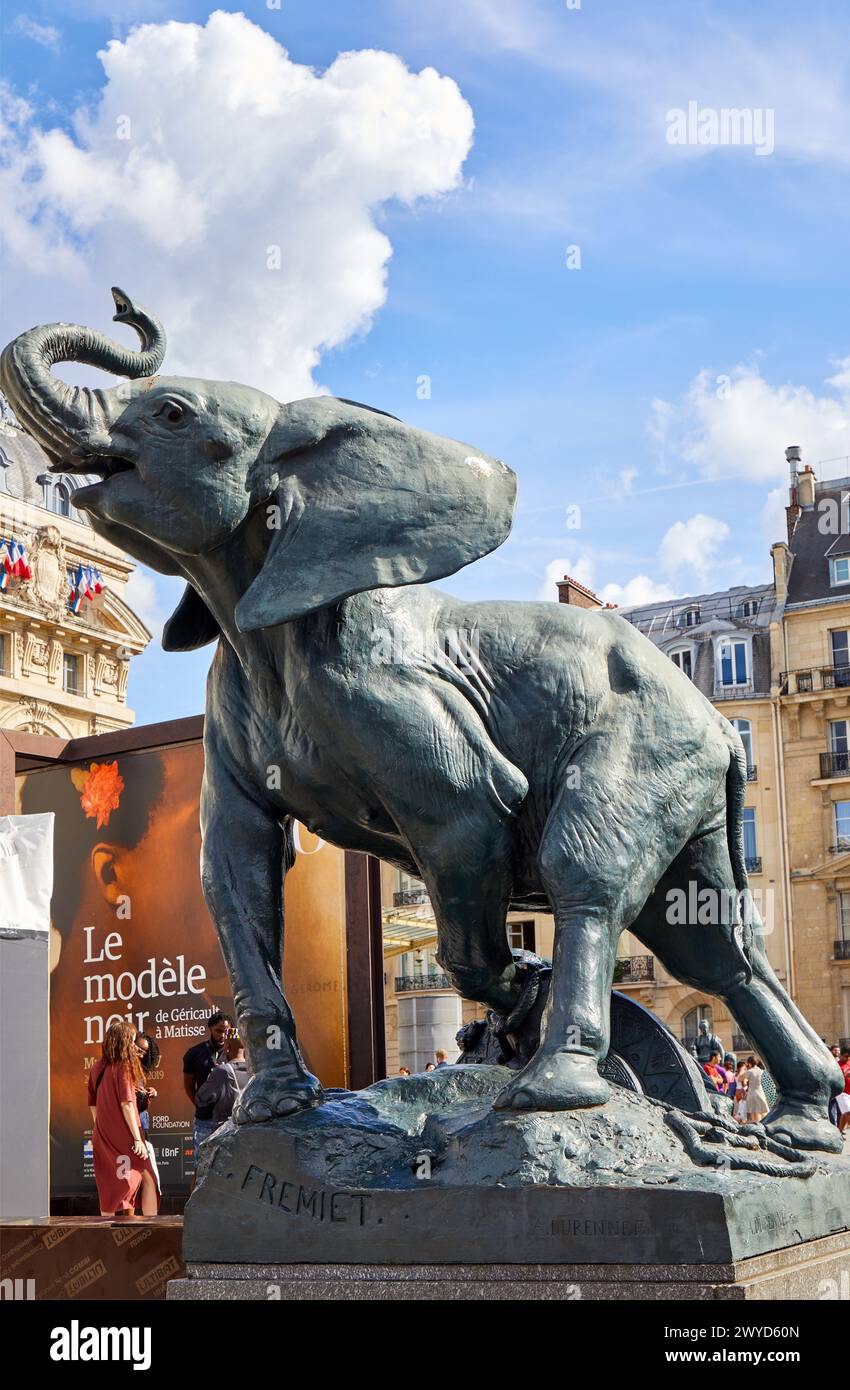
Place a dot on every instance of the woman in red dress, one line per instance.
(122, 1169)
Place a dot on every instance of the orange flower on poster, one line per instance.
(101, 792)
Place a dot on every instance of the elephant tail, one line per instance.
(736, 782)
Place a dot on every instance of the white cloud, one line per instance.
(636, 591)
(744, 428)
(692, 544)
(142, 596)
(47, 35)
(584, 566)
(237, 158)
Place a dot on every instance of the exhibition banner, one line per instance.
(130, 937)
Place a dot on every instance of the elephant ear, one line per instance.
(362, 501)
(190, 626)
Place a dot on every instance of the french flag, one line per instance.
(75, 598)
(20, 568)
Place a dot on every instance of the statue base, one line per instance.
(421, 1171)
(815, 1270)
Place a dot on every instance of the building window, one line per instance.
(841, 812)
(3, 671)
(70, 668)
(750, 608)
(60, 501)
(838, 735)
(745, 733)
(844, 916)
(732, 663)
(839, 570)
(689, 617)
(682, 659)
(751, 854)
(521, 936)
(840, 656)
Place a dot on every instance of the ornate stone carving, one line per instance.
(38, 715)
(48, 589)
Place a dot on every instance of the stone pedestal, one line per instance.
(815, 1270)
(417, 1188)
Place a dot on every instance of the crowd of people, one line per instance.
(215, 1072)
(752, 1092)
(119, 1096)
(441, 1059)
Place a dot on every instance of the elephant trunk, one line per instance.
(64, 418)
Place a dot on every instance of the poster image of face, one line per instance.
(131, 938)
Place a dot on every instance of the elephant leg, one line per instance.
(244, 857)
(727, 958)
(466, 867)
(606, 843)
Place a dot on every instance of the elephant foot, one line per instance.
(272, 1093)
(803, 1126)
(555, 1081)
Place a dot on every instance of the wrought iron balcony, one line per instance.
(633, 970)
(752, 774)
(405, 984)
(752, 863)
(811, 678)
(843, 846)
(412, 897)
(834, 764)
(841, 950)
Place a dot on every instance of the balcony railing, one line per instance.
(841, 950)
(834, 764)
(752, 774)
(633, 970)
(740, 691)
(411, 897)
(752, 863)
(843, 846)
(405, 983)
(811, 678)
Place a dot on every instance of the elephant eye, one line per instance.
(171, 413)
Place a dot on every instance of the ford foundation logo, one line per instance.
(76, 1343)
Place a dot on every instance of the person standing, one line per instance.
(149, 1057)
(757, 1105)
(123, 1170)
(198, 1062)
(740, 1108)
(843, 1100)
(237, 1060)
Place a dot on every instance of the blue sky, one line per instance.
(656, 385)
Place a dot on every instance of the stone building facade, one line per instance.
(813, 695)
(61, 673)
(724, 642)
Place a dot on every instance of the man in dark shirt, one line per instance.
(198, 1062)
